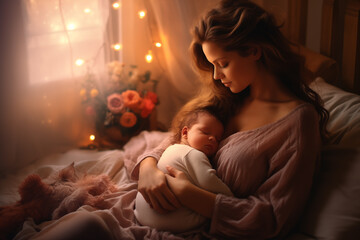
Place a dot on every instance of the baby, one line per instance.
(200, 134)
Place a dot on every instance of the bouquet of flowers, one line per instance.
(122, 103)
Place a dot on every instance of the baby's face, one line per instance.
(205, 134)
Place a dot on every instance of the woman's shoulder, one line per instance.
(293, 109)
(280, 117)
(303, 112)
(302, 120)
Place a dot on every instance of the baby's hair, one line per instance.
(189, 118)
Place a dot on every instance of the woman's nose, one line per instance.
(217, 74)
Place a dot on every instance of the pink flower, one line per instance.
(115, 103)
(148, 107)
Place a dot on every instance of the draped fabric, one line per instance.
(41, 111)
(170, 23)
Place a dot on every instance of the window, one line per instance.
(65, 38)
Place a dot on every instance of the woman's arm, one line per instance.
(191, 196)
(276, 204)
(153, 186)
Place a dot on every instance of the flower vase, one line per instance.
(115, 136)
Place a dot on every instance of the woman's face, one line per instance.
(204, 135)
(234, 71)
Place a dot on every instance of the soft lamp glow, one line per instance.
(158, 44)
(149, 57)
(71, 26)
(116, 5)
(142, 14)
(117, 47)
(92, 137)
(79, 62)
(87, 10)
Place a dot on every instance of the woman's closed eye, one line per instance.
(223, 65)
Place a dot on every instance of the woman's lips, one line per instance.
(227, 84)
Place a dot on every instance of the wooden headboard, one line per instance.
(339, 34)
(340, 39)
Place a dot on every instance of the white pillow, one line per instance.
(344, 109)
(334, 206)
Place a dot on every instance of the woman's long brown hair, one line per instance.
(234, 26)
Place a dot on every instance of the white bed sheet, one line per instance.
(89, 161)
(117, 164)
(107, 162)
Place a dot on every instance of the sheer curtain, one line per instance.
(175, 19)
(44, 42)
(51, 45)
(64, 37)
(13, 77)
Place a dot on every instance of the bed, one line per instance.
(334, 208)
(333, 211)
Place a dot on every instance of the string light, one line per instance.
(70, 26)
(142, 14)
(87, 10)
(158, 44)
(79, 62)
(116, 5)
(92, 137)
(149, 57)
(117, 46)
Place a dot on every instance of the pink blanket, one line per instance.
(117, 164)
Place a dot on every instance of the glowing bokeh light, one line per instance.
(79, 62)
(142, 14)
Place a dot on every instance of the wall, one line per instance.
(280, 10)
(313, 32)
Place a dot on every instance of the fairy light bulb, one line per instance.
(149, 57)
(71, 26)
(158, 44)
(142, 14)
(92, 137)
(87, 10)
(116, 5)
(117, 46)
(79, 62)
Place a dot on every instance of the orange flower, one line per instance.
(152, 96)
(132, 99)
(148, 107)
(128, 119)
(139, 107)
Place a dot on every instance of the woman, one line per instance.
(273, 134)
(268, 157)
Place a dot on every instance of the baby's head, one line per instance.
(202, 130)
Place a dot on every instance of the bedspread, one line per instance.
(117, 164)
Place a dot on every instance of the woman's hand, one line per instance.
(191, 196)
(177, 181)
(153, 186)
